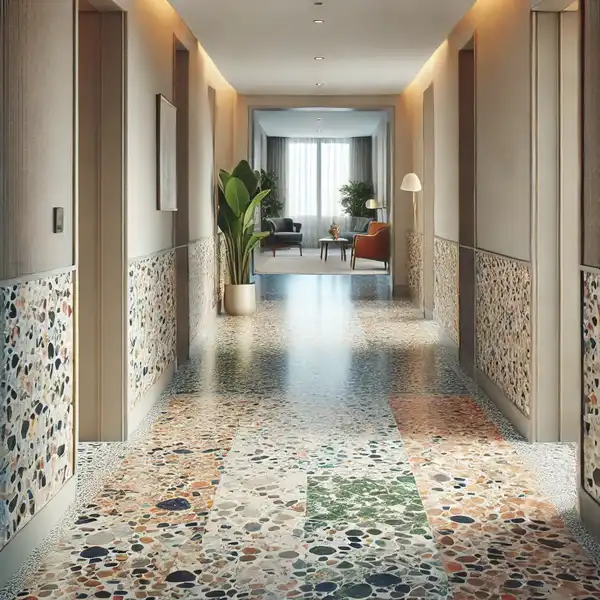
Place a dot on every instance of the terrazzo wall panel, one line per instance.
(445, 290)
(591, 384)
(221, 250)
(202, 269)
(36, 397)
(152, 322)
(503, 306)
(415, 264)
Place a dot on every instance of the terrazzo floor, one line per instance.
(329, 447)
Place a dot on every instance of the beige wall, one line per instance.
(152, 26)
(36, 133)
(245, 103)
(503, 126)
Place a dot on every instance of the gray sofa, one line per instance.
(357, 225)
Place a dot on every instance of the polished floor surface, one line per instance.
(328, 448)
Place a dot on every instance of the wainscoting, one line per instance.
(203, 268)
(415, 266)
(36, 396)
(445, 290)
(503, 324)
(152, 322)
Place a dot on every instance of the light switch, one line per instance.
(59, 219)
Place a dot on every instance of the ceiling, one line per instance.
(369, 46)
(329, 123)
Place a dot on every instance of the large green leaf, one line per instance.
(223, 178)
(244, 172)
(249, 214)
(237, 196)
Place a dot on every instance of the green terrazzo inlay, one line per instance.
(334, 498)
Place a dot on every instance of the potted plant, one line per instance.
(354, 198)
(271, 206)
(238, 200)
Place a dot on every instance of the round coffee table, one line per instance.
(324, 245)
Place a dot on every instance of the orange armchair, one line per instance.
(374, 245)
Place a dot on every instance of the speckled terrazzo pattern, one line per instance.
(504, 326)
(202, 272)
(415, 264)
(445, 291)
(36, 397)
(152, 322)
(221, 253)
(274, 468)
(591, 383)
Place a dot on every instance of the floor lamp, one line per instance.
(412, 183)
(373, 204)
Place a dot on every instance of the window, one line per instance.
(316, 171)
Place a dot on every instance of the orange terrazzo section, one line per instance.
(499, 538)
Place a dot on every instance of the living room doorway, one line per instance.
(329, 172)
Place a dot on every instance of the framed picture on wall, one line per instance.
(166, 154)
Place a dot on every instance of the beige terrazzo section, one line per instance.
(445, 293)
(504, 325)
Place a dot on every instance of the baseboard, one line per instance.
(144, 406)
(401, 291)
(33, 534)
(521, 423)
(589, 510)
(447, 341)
(207, 327)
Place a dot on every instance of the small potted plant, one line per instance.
(238, 200)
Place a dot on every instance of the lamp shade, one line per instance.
(411, 183)
(372, 204)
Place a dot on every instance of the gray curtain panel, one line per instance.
(277, 162)
(361, 159)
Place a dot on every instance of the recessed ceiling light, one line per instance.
(319, 58)
(319, 84)
(318, 4)
(319, 119)
(318, 21)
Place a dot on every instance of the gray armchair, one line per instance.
(284, 233)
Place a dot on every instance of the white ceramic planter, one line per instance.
(240, 300)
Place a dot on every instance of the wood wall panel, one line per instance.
(36, 135)
(466, 148)
(591, 132)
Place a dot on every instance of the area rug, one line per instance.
(288, 262)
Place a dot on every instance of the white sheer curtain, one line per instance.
(317, 168)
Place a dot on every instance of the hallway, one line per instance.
(326, 448)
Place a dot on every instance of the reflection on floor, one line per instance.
(329, 447)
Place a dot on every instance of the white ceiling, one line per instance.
(370, 46)
(306, 123)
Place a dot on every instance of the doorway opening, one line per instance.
(100, 246)
(329, 172)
